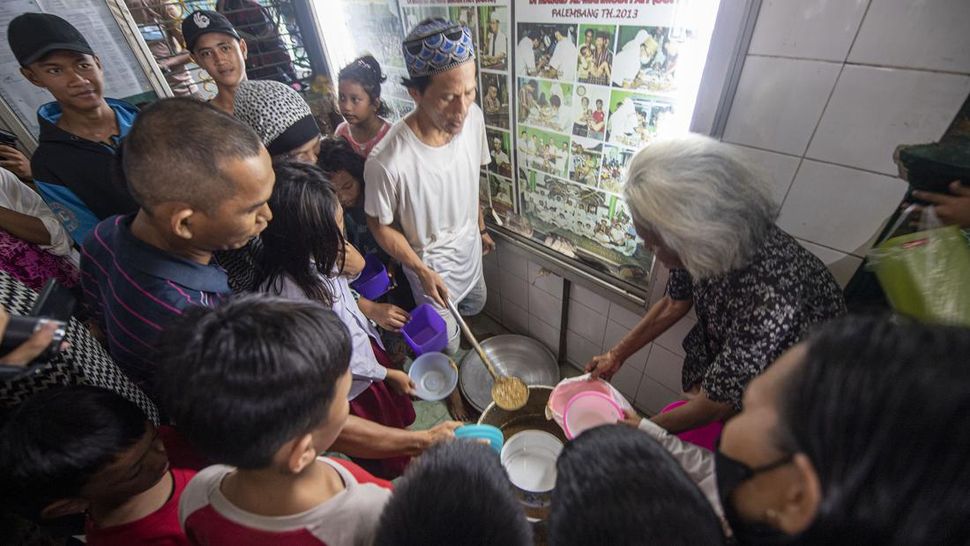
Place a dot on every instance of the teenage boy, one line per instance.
(202, 181)
(421, 193)
(261, 384)
(86, 450)
(80, 131)
(217, 48)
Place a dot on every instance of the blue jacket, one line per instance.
(74, 175)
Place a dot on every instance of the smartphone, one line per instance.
(933, 167)
(54, 304)
(8, 138)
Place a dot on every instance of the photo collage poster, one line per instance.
(594, 83)
(377, 30)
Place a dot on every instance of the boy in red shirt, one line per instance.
(261, 384)
(83, 449)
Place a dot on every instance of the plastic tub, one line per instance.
(426, 332)
(486, 433)
(589, 409)
(373, 281)
(435, 376)
(529, 457)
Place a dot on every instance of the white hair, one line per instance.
(702, 201)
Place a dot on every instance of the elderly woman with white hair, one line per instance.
(711, 220)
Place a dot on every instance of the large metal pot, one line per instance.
(530, 417)
(514, 355)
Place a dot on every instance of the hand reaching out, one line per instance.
(951, 209)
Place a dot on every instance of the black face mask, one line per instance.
(731, 473)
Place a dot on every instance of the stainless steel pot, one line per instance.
(513, 355)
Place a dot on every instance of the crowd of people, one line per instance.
(555, 204)
(220, 350)
(541, 151)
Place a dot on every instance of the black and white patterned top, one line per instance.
(747, 318)
(242, 266)
(83, 362)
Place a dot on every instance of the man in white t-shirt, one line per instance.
(564, 58)
(421, 193)
(525, 55)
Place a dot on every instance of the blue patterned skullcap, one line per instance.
(437, 45)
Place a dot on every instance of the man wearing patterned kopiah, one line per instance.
(421, 196)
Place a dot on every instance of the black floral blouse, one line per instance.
(748, 317)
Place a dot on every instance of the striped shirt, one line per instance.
(133, 290)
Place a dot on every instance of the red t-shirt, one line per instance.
(160, 528)
(347, 519)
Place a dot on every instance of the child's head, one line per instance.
(359, 90)
(454, 493)
(307, 241)
(345, 169)
(281, 118)
(66, 448)
(216, 47)
(56, 56)
(202, 177)
(618, 486)
(259, 382)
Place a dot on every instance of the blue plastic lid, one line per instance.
(492, 434)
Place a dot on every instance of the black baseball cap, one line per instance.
(33, 35)
(204, 21)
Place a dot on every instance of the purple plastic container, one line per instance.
(373, 281)
(426, 332)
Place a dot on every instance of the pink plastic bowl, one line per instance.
(705, 436)
(587, 410)
(566, 391)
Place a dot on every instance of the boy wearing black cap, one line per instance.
(217, 48)
(79, 131)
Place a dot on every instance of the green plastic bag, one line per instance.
(926, 274)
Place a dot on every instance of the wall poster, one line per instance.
(594, 82)
(570, 90)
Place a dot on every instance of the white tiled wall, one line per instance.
(828, 90)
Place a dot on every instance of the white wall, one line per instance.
(828, 90)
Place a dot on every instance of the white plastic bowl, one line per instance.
(529, 457)
(435, 376)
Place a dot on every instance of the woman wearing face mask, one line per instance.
(860, 435)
